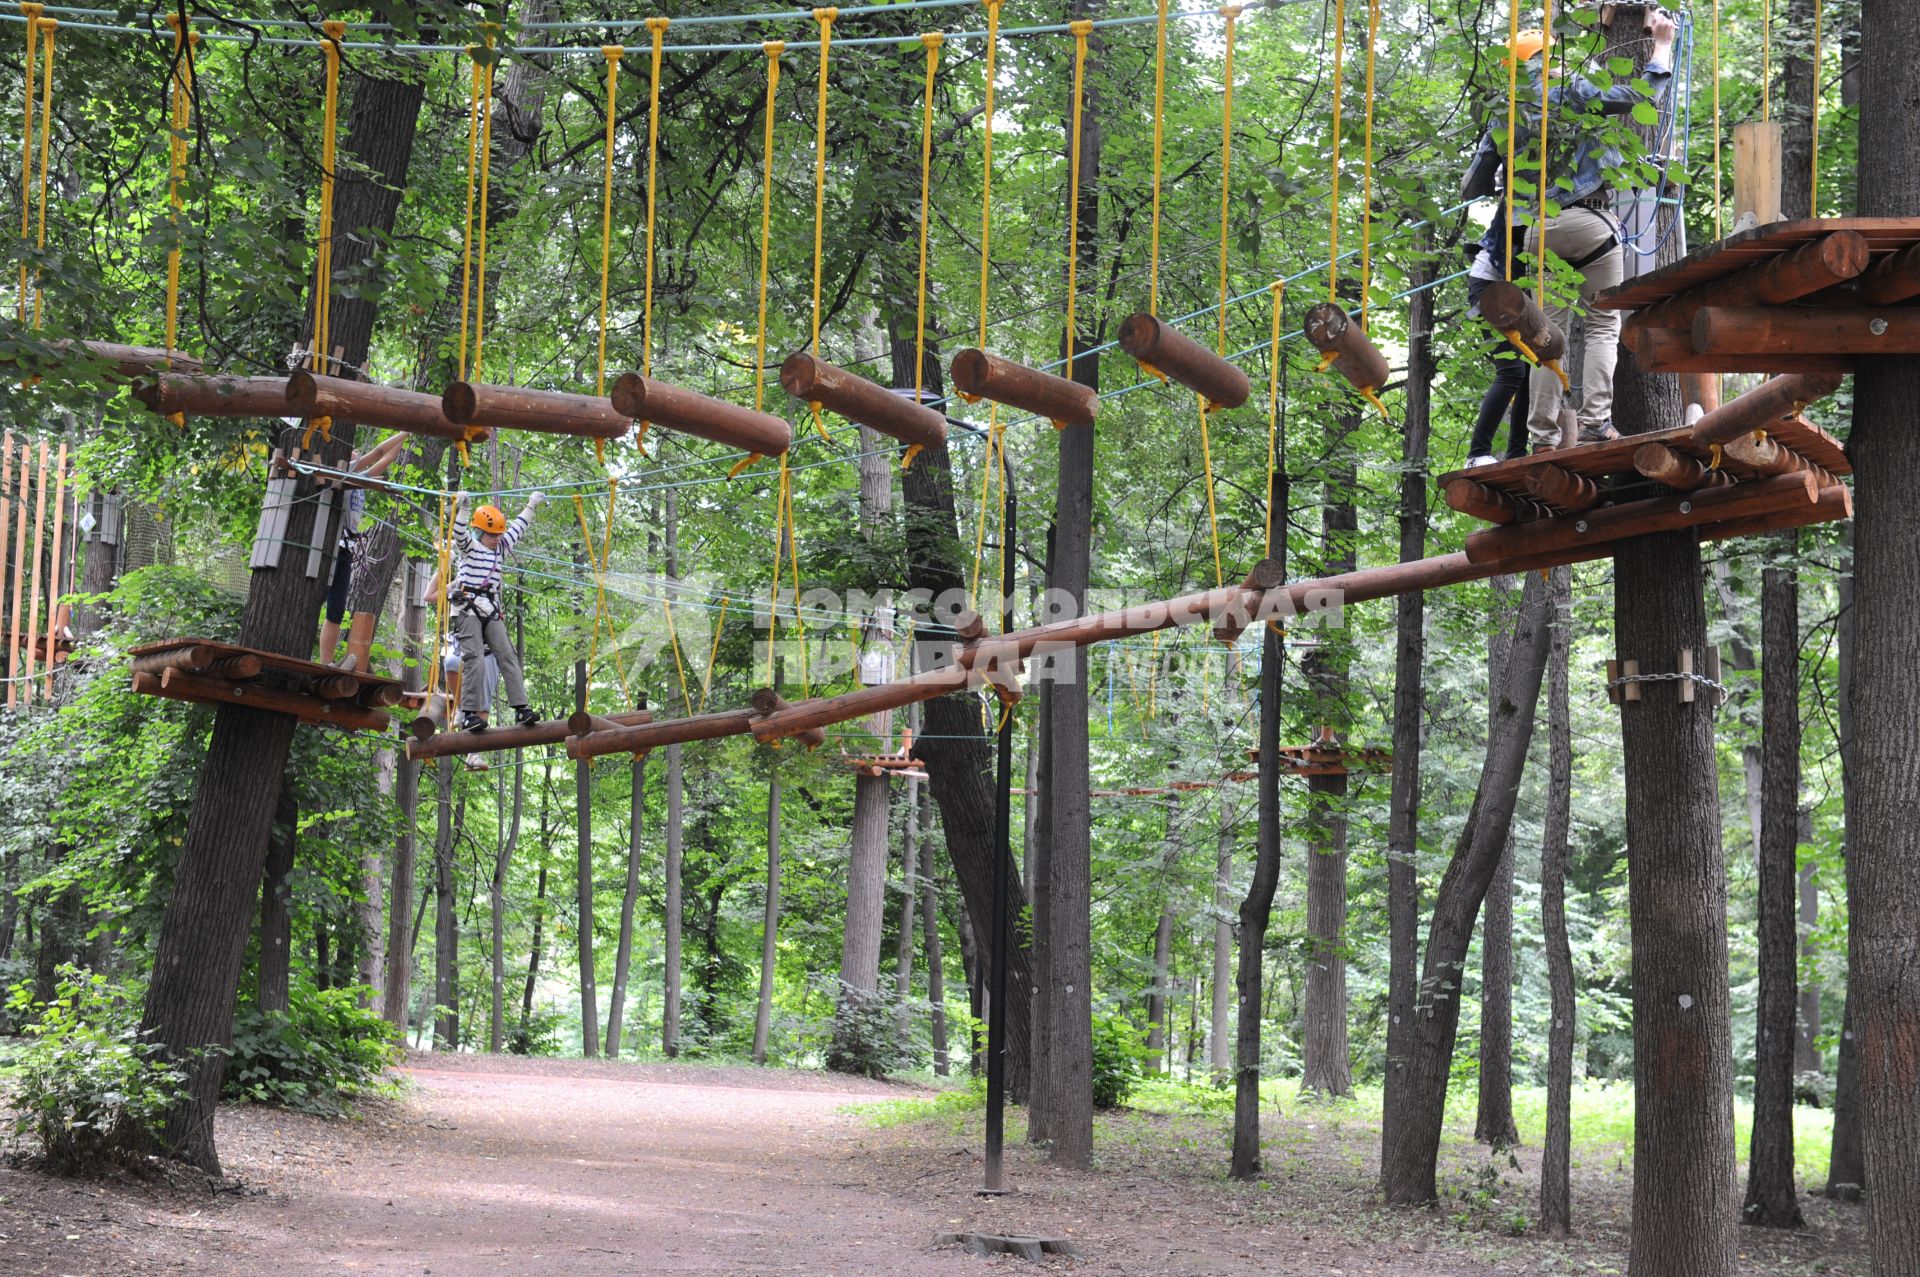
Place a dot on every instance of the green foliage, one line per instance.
(1119, 1056)
(315, 1056)
(537, 1033)
(88, 1092)
(866, 1034)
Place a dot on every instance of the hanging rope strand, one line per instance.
(32, 13)
(1366, 169)
(1231, 14)
(320, 347)
(825, 17)
(1813, 124)
(475, 82)
(931, 41)
(657, 28)
(1159, 138)
(1333, 193)
(1766, 60)
(1719, 202)
(1279, 290)
(986, 166)
(1513, 110)
(612, 53)
(1540, 222)
(480, 264)
(49, 26)
(184, 41)
(1081, 30)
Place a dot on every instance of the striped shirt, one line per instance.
(480, 568)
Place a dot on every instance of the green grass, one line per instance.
(956, 1105)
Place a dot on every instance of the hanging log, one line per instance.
(1562, 489)
(1334, 332)
(815, 381)
(1639, 518)
(1814, 265)
(1267, 574)
(766, 704)
(213, 395)
(1894, 278)
(660, 403)
(310, 394)
(335, 687)
(1763, 405)
(1061, 401)
(1477, 499)
(1767, 456)
(1835, 503)
(672, 731)
(1165, 349)
(1671, 350)
(123, 363)
(1676, 470)
(1773, 330)
(179, 685)
(469, 403)
(1511, 308)
(429, 742)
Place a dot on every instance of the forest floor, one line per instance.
(491, 1166)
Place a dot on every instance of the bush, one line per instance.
(866, 1033)
(314, 1056)
(1118, 1053)
(536, 1034)
(88, 1092)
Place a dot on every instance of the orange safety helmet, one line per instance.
(489, 519)
(1527, 45)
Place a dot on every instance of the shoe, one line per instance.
(1474, 463)
(1600, 433)
(473, 722)
(524, 716)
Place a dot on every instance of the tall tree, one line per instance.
(623, 954)
(1556, 1190)
(1846, 1161)
(446, 915)
(1883, 870)
(1493, 1123)
(770, 916)
(497, 891)
(675, 867)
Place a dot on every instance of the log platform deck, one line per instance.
(207, 672)
(1807, 296)
(1327, 756)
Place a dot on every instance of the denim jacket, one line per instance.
(1592, 156)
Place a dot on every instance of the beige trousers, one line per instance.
(1574, 235)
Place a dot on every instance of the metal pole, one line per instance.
(1002, 859)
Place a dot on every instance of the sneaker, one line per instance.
(1474, 463)
(1602, 432)
(473, 722)
(524, 716)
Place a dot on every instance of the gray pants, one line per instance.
(477, 638)
(1573, 235)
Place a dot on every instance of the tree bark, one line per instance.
(1883, 872)
(188, 1011)
(276, 906)
(936, 968)
(446, 920)
(1493, 1121)
(623, 955)
(770, 924)
(1556, 1191)
(1772, 1200)
(676, 839)
(583, 882)
(407, 781)
(1157, 1061)
(1846, 1162)
(909, 905)
(1806, 1031)
(1408, 1168)
(1219, 1025)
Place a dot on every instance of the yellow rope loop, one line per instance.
(986, 170)
(931, 41)
(1519, 343)
(773, 49)
(1159, 139)
(825, 17)
(1326, 361)
(679, 663)
(612, 53)
(1279, 290)
(49, 26)
(1713, 457)
(1081, 29)
(713, 654)
(1333, 194)
(744, 462)
(996, 451)
(1540, 223)
(1553, 366)
(480, 254)
(657, 28)
(1369, 394)
(1149, 370)
(1232, 15)
(466, 454)
(1366, 170)
(32, 14)
(913, 450)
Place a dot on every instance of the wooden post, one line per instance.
(1685, 685)
(1630, 691)
(1756, 174)
(1165, 349)
(1773, 330)
(1355, 357)
(310, 394)
(213, 395)
(983, 376)
(1267, 574)
(660, 403)
(54, 561)
(468, 403)
(815, 381)
(39, 544)
(1763, 405)
(1510, 308)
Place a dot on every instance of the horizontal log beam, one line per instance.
(814, 381)
(1166, 350)
(1480, 501)
(180, 685)
(1817, 264)
(1060, 400)
(1894, 278)
(470, 403)
(1763, 330)
(1641, 518)
(1561, 488)
(673, 407)
(1267, 574)
(123, 363)
(1658, 462)
(1769, 456)
(1671, 350)
(767, 705)
(1355, 357)
(200, 394)
(1835, 503)
(551, 731)
(1765, 404)
(670, 731)
(1512, 309)
(415, 412)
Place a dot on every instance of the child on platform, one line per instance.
(1506, 395)
(346, 557)
(484, 538)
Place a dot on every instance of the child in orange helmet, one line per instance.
(485, 538)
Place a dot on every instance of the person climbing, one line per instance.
(1506, 395)
(346, 558)
(1584, 234)
(474, 608)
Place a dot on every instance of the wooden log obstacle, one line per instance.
(1512, 310)
(311, 394)
(199, 394)
(117, 362)
(660, 403)
(1064, 402)
(1327, 755)
(814, 381)
(204, 671)
(1807, 296)
(1346, 347)
(1164, 349)
(469, 403)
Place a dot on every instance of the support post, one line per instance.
(1002, 859)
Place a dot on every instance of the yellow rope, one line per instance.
(473, 181)
(480, 256)
(321, 345)
(182, 93)
(1513, 110)
(996, 445)
(773, 49)
(49, 26)
(932, 41)
(443, 547)
(713, 654)
(986, 169)
(1546, 65)
(1813, 125)
(1159, 132)
(657, 28)
(1719, 203)
(679, 664)
(825, 17)
(32, 13)
(1766, 61)
(1333, 197)
(1213, 518)
(1279, 290)
(612, 53)
(1081, 29)
(1232, 14)
(1366, 169)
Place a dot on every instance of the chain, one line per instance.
(1672, 676)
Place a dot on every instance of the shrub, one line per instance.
(866, 1033)
(314, 1056)
(1118, 1054)
(88, 1092)
(536, 1034)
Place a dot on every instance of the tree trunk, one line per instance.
(371, 972)
(1772, 1200)
(583, 882)
(1219, 1050)
(188, 1011)
(497, 890)
(936, 975)
(1883, 872)
(909, 904)
(276, 906)
(446, 921)
(1408, 1167)
(1493, 1121)
(1556, 1191)
(1040, 1105)
(770, 925)
(623, 956)
(1157, 1055)
(1806, 1031)
(676, 838)
(1846, 1162)
(400, 893)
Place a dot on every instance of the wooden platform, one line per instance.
(1328, 757)
(1811, 295)
(204, 671)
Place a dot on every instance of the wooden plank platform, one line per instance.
(1610, 467)
(1327, 757)
(208, 671)
(1884, 235)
